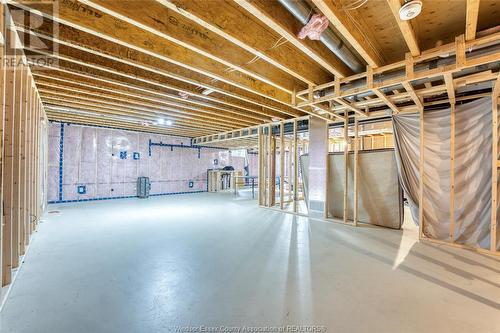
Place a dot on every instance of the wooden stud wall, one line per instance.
(22, 125)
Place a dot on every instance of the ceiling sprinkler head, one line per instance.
(410, 10)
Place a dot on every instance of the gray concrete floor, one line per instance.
(218, 260)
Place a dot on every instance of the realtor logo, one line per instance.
(31, 28)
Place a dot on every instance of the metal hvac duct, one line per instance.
(302, 12)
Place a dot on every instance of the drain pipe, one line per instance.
(303, 12)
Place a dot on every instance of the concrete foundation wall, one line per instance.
(105, 163)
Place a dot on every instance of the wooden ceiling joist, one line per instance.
(227, 20)
(150, 16)
(90, 79)
(120, 32)
(126, 112)
(105, 49)
(405, 27)
(152, 113)
(471, 19)
(82, 93)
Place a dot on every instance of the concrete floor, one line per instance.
(218, 260)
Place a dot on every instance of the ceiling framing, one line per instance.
(220, 66)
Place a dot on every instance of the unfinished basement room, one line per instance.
(250, 166)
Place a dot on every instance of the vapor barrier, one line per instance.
(472, 170)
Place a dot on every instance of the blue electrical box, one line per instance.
(123, 155)
(137, 156)
(82, 189)
(216, 162)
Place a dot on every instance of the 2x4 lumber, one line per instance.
(346, 165)
(386, 100)
(349, 106)
(261, 174)
(356, 162)
(3, 75)
(448, 79)
(282, 164)
(409, 89)
(295, 167)
(421, 170)
(18, 137)
(261, 42)
(471, 19)
(494, 170)
(350, 31)
(8, 170)
(405, 27)
(411, 75)
(287, 26)
(23, 156)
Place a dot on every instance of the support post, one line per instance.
(295, 167)
(421, 178)
(346, 162)
(494, 164)
(261, 166)
(452, 172)
(356, 161)
(282, 164)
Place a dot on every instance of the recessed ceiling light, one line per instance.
(410, 10)
(160, 121)
(168, 123)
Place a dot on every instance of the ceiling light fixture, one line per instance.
(168, 123)
(410, 10)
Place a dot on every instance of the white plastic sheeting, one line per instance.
(472, 170)
(95, 157)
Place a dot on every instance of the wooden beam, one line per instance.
(405, 27)
(421, 182)
(346, 165)
(494, 170)
(471, 19)
(350, 31)
(8, 169)
(282, 164)
(143, 64)
(356, 170)
(226, 20)
(155, 44)
(386, 100)
(350, 106)
(108, 85)
(150, 16)
(295, 167)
